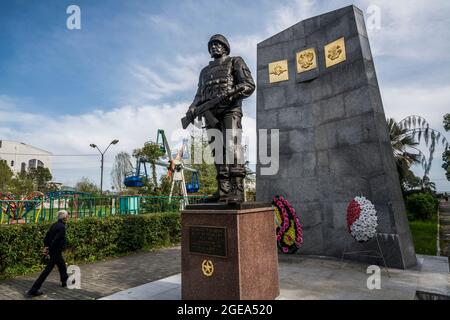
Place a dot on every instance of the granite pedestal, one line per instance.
(229, 252)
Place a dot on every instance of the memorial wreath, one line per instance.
(362, 219)
(289, 229)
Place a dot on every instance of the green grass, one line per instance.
(424, 236)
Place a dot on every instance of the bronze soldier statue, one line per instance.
(223, 84)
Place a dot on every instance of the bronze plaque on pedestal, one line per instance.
(211, 241)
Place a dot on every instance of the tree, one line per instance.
(447, 122)
(21, 184)
(418, 126)
(41, 177)
(446, 164)
(150, 153)
(164, 185)
(446, 153)
(427, 186)
(402, 143)
(6, 176)
(122, 166)
(250, 181)
(411, 182)
(405, 132)
(85, 185)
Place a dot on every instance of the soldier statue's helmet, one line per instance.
(219, 38)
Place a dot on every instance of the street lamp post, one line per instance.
(92, 145)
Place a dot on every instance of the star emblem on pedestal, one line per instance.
(207, 268)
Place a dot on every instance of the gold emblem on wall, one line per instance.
(207, 268)
(278, 71)
(335, 52)
(306, 60)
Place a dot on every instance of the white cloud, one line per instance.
(411, 30)
(245, 46)
(165, 23)
(6, 103)
(431, 103)
(164, 78)
(284, 16)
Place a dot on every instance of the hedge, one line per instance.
(88, 240)
(421, 206)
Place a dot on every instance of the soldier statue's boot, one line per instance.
(240, 192)
(214, 198)
(237, 192)
(224, 190)
(221, 194)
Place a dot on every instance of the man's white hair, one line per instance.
(62, 214)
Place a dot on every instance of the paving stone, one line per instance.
(101, 278)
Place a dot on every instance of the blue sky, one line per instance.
(133, 67)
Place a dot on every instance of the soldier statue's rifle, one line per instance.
(204, 110)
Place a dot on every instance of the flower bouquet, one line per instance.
(289, 229)
(362, 220)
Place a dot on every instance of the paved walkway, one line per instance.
(156, 275)
(101, 279)
(444, 222)
(322, 278)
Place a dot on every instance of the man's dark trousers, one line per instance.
(57, 259)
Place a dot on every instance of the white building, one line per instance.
(20, 156)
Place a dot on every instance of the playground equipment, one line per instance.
(38, 204)
(136, 180)
(88, 207)
(174, 163)
(7, 206)
(16, 210)
(194, 185)
(176, 167)
(31, 201)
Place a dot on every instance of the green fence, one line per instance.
(38, 210)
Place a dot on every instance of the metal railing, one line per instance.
(46, 209)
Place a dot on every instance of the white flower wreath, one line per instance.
(364, 227)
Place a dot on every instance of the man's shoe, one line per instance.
(34, 293)
(64, 284)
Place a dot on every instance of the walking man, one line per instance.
(54, 242)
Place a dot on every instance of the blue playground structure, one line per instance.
(194, 185)
(136, 179)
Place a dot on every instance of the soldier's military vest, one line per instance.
(217, 79)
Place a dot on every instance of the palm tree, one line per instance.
(446, 153)
(418, 126)
(427, 185)
(447, 122)
(402, 142)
